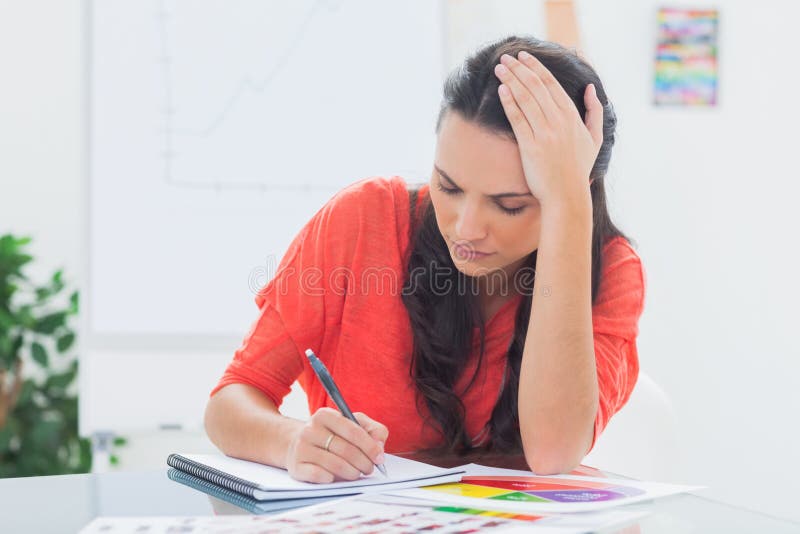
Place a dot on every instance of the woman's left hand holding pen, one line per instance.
(330, 446)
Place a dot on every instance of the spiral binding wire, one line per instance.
(212, 475)
(242, 501)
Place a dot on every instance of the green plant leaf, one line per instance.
(5, 438)
(13, 265)
(61, 381)
(73, 302)
(119, 441)
(21, 259)
(64, 342)
(7, 290)
(39, 354)
(5, 352)
(42, 294)
(25, 317)
(9, 350)
(17, 345)
(50, 322)
(26, 394)
(45, 433)
(85, 460)
(57, 284)
(7, 320)
(9, 243)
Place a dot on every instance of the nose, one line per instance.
(470, 225)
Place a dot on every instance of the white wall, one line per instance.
(42, 120)
(708, 195)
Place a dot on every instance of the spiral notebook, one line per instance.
(265, 483)
(237, 499)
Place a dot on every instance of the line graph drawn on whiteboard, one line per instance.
(219, 127)
(208, 116)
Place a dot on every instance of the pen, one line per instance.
(333, 392)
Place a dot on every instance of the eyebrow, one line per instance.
(497, 196)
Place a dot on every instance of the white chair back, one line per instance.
(641, 440)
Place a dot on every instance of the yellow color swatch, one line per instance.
(468, 490)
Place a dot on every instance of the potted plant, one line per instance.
(38, 368)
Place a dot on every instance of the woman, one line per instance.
(496, 306)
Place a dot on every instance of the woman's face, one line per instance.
(484, 209)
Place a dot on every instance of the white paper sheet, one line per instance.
(523, 492)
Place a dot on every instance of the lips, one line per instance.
(467, 253)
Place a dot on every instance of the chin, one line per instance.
(475, 269)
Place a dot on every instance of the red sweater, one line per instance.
(338, 291)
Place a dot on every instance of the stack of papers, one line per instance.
(414, 497)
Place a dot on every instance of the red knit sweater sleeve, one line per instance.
(304, 301)
(297, 305)
(615, 317)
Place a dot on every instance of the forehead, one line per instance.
(476, 157)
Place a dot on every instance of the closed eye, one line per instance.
(448, 190)
(511, 211)
(455, 191)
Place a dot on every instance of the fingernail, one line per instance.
(381, 444)
(524, 55)
(500, 69)
(381, 458)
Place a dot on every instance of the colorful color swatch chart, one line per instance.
(536, 489)
(376, 518)
(379, 513)
(524, 492)
(686, 57)
(372, 519)
(367, 514)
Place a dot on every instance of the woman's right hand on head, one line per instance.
(353, 450)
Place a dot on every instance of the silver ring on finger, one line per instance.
(328, 442)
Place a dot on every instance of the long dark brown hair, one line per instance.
(443, 322)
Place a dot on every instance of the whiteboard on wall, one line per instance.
(217, 129)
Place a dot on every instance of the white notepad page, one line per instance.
(276, 483)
